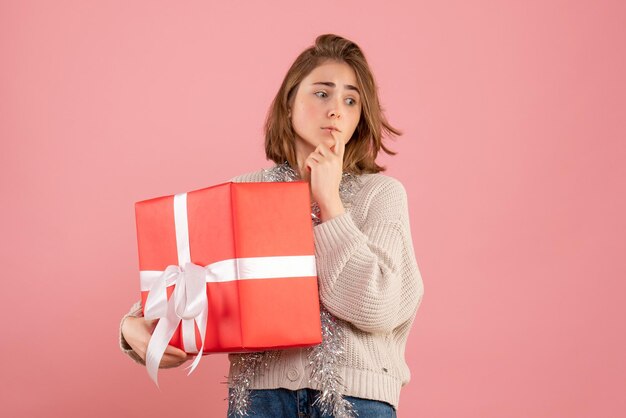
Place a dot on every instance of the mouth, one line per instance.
(330, 128)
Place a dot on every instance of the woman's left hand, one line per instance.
(326, 167)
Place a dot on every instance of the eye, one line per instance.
(353, 102)
(323, 92)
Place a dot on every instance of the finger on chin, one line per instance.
(338, 144)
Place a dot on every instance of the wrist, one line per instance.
(124, 334)
(331, 210)
(124, 326)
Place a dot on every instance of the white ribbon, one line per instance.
(189, 303)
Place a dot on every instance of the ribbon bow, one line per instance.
(188, 303)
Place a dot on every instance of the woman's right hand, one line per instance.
(137, 332)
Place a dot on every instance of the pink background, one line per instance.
(513, 159)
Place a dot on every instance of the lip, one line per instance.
(331, 128)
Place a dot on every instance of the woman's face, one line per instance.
(327, 97)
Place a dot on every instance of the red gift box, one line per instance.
(250, 245)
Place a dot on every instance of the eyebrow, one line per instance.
(331, 84)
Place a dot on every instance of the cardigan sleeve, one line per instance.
(368, 276)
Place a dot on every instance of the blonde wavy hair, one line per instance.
(367, 140)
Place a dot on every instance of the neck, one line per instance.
(302, 152)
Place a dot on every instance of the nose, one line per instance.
(334, 113)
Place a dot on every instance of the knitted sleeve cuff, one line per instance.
(336, 233)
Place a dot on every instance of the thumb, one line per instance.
(177, 352)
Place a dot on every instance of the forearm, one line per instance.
(366, 278)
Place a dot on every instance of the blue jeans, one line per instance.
(279, 403)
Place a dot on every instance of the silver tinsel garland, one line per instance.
(325, 358)
(249, 365)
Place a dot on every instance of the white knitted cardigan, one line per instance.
(369, 280)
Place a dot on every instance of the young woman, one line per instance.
(325, 126)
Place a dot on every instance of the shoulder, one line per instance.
(383, 186)
(249, 177)
(382, 196)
